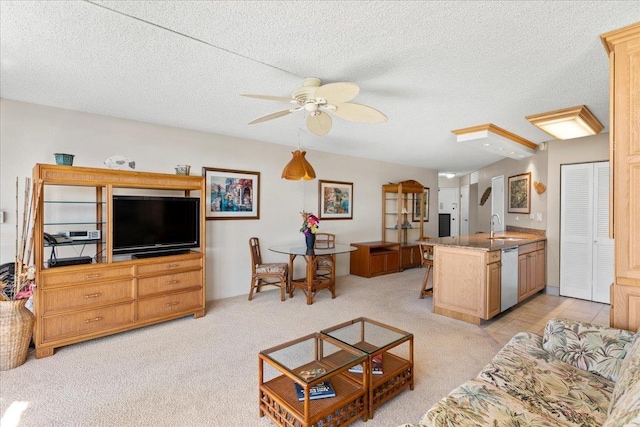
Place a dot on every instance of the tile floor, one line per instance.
(533, 314)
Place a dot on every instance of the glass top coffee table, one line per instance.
(389, 352)
(290, 372)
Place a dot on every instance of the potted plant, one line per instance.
(309, 228)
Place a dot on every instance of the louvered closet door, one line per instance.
(603, 247)
(586, 252)
(576, 217)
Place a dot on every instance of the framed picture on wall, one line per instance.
(416, 206)
(335, 200)
(232, 194)
(520, 193)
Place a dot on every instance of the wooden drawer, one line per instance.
(65, 276)
(170, 265)
(86, 322)
(81, 297)
(525, 249)
(493, 256)
(169, 282)
(540, 245)
(166, 305)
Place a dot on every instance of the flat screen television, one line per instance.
(149, 224)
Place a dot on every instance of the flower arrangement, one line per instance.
(309, 223)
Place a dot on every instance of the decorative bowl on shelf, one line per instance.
(183, 169)
(64, 159)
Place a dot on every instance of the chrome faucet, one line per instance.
(499, 222)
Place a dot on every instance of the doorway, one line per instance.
(464, 210)
(497, 202)
(449, 204)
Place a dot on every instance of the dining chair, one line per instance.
(263, 274)
(325, 263)
(426, 260)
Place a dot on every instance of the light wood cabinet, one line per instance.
(374, 258)
(112, 294)
(623, 47)
(466, 283)
(494, 282)
(403, 219)
(531, 269)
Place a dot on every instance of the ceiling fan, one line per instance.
(318, 100)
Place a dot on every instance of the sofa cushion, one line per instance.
(477, 403)
(624, 409)
(548, 386)
(594, 348)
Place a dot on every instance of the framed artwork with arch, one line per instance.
(231, 194)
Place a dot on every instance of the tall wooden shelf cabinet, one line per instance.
(113, 293)
(623, 47)
(401, 204)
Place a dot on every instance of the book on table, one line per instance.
(318, 391)
(376, 366)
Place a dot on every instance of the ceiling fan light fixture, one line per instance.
(298, 168)
(568, 123)
(492, 138)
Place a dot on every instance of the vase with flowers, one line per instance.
(309, 228)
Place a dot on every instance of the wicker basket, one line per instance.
(16, 328)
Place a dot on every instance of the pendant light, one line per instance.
(298, 168)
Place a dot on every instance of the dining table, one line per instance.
(312, 282)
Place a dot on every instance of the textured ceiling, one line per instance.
(431, 67)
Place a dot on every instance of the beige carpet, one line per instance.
(203, 372)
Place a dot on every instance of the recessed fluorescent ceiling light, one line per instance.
(447, 174)
(568, 123)
(492, 138)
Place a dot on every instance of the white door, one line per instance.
(603, 259)
(464, 210)
(448, 203)
(586, 252)
(497, 202)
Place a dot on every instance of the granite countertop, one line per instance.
(481, 241)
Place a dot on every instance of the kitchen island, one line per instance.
(467, 273)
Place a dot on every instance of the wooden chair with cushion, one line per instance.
(262, 274)
(326, 263)
(426, 260)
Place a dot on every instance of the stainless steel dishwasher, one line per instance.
(509, 278)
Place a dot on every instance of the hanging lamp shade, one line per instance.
(298, 168)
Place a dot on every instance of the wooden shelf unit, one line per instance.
(81, 302)
(375, 258)
(398, 210)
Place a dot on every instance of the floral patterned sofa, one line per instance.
(577, 374)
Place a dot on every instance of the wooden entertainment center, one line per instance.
(112, 293)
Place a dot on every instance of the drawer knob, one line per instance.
(171, 304)
(92, 276)
(173, 265)
(172, 282)
(95, 319)
(96, 295)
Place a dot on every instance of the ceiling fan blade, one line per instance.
(359, 113)
(272, 116)
(320, 123)
(335, 93)
(272, 98)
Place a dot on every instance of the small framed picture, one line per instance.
(416, 206)
(520, 193)
(232, 194)
(335, 200)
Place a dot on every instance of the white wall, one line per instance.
(537, 165)
(30, 134)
